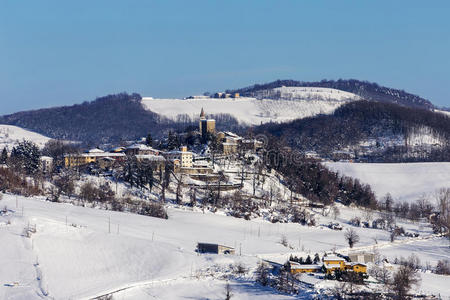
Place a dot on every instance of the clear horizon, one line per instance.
(54, 53)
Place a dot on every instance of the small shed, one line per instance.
(362, 257)
(214, 248)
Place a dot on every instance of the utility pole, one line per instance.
(109, 224)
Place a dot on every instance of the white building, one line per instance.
(46, 163)
(185, 157)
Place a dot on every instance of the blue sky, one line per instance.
(64, 52)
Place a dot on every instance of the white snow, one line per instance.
(295, 103)
(10, 136)
(443, 112)
(404, 181)
(316, 93)
(96, 252)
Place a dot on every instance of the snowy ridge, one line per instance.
(10, 136)
(447, 113)
(286, 104)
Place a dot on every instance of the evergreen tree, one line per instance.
(316, 259)
(25, 157)
(172, 141)
(4, 156)
(149, 140)
(308, 260)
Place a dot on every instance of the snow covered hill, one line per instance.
(10, 136)
(285, 104)
(405, 182)
(80, 252)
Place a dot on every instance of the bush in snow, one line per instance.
(356, 221)
(13, 182)
(154, 210)
(442, 267)
(262, 273)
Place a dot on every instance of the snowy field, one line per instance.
(405, 182)
(305, 102)
(79, 252)
(10, 136)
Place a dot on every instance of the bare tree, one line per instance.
(178, 198)
(284, 241)
(403, 280)
(64, 182)
(368, 215)
(228, 293)
(443, 206)
(351, 236)
(335, 212)
(382, 274)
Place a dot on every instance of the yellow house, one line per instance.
(296, 268)
(334, 260)
(91, 156)
(333, 263)
(356, 267)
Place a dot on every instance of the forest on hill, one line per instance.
(366, 90)
(359, 121)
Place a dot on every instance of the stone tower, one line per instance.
(202, 117)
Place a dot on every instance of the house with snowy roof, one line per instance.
(141, 149)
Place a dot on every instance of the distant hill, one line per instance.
(108, 119)
(364, 89)
(395, 131)
(290, 104)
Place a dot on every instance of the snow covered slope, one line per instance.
(79, 252)
(11, 135)
(291, 103)
(405, 182)
(308, 93)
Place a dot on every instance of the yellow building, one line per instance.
(91, 156)
(356, 267)
(229, 148)
(185, 158)
(296, 268)
(333, 263)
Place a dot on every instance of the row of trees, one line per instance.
(313, 180)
